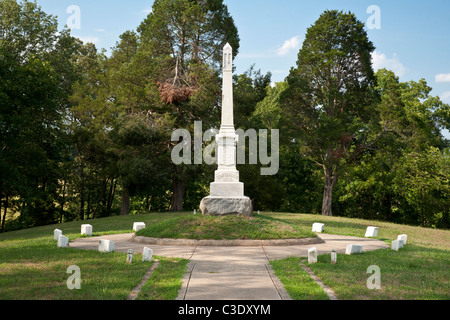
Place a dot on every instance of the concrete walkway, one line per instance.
(231, 272)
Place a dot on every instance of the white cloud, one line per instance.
(147, 11)
(289, 45)
(380, 60)
(100, 30)
(443, 77)
(91, 39)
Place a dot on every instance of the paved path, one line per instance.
(231, 272)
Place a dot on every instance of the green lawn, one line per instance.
(32, 267)
(413, 273)
(420, 270)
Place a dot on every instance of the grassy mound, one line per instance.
(200, 227)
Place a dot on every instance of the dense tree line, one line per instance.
(84, 135)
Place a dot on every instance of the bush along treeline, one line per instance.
(86, 135)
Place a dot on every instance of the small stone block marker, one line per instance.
(147, 254)
(372, 232)
(396, 244)
(130, 256)
(138, 226)
(57, 233)
(86, 229)
(333, 256)
(312, 255)
(403, 237)
(106, 246)
(353, 248)
(318, 227)
(63, 241)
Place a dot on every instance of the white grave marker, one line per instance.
(138, 226)
(372, 232)
(333, 256)
(396, 244)
(312, 255)
(86, 229)
(353, 248)
(63, 241)
(130, 256)
(318, 227)
(403, 237)
(106, 246)
(57, 233)
(147, 254)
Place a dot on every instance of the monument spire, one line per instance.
(227, 88)
(226, 192)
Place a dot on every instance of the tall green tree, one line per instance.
(249, 89)
(93, 115)
(36, 77)
(298, 178)
(423, 181)
(174, 74)
(330, 97)
(404, 145)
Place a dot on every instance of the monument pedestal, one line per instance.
(226, 196)
(221, 206)
(227, 189)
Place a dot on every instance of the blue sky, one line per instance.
(413, 38)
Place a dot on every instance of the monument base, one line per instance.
(222, 206)
(227, 190)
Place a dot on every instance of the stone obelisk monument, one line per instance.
(226, 192)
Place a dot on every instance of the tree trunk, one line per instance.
(103, 201)
(421, 209)
(330, 181)
(112, 190)
(22, 217)
(81, 217)
(179, 188)
(4, 216)
(82, 190)
(88, 209)
(5, 212)
(63, 201)
(147, 203)
(125, 208)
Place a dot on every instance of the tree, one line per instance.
(403, 159)
(36, 77)
(92, 116)
(181, 42)
(249, 89)
(298, 177)
(423, 180)
(330, 94)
